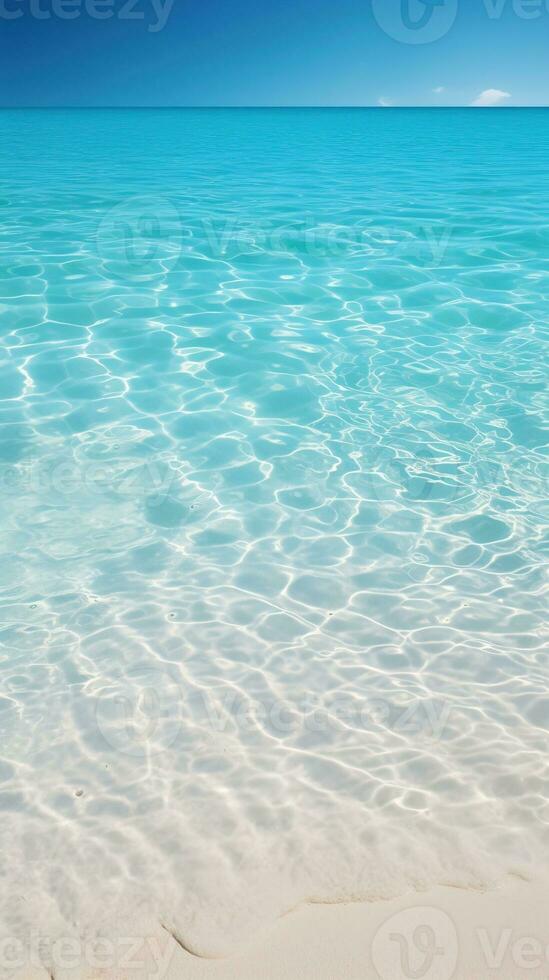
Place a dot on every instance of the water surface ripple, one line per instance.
(273, 428)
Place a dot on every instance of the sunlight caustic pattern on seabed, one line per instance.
(273, 420)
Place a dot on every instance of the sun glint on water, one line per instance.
(272, 419)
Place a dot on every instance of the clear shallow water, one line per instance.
(273, 419)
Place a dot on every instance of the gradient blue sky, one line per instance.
(268, 52)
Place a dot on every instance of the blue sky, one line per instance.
(273, 52)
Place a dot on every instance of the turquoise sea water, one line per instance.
(273, 421)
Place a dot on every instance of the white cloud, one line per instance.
(439, 89)
(491, 96)
(386, 103)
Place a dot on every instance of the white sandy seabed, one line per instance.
(440, 934)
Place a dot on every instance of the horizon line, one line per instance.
(358, 108)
